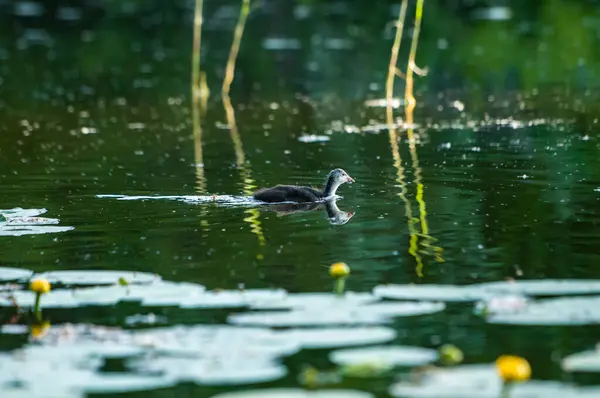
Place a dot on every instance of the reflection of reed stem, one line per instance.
(245, 173)
(235, 47)
(389, 91)
(389, 85)
(409, 109)
(240, 156)
(196, 96)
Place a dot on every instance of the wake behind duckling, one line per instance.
(223, 200)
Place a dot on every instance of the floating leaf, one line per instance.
(18, 221)
(482, 381)
(294, 393)
(468, 381)
(559, 311)
(339, 337)
(448, 293)
(12, 274)
(97, 277)
(231, 298)
(208, 371)
(586, 361)
(314, 300)
(53, 299)
(345, 315)
(19, 212)
(542, 287)
(216, 341)
(385, 355)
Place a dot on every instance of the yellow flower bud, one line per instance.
(513, 368)
(450, 354)
(339, 270)
(39, 286)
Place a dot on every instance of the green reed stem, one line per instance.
(235, 47)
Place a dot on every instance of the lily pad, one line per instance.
(469, 381)
(235, 370)
(18, 222)
(53, 299)
(559, 311)
(314, 300)
(159, 293)
(216, 340)
(586, 361)
(482, 381)
(345, 315)
(96, 277)
(542, 287)
(8, 274)
(294, 393)
(447, 293)
(18, 212)
(384, 355)
(339, 337)
(230, 298)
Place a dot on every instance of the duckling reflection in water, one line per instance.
(334, 214)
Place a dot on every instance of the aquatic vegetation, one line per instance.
(384, 356)
(543, 287)
(586, 361)
(94, 277)
(479, 381)
(450, 354)
(18, 222)
(447, 293)
(513, 368)
(39, 286)
(496, 291)
(558, 311)
(368, 314)
(339, 272)
(294, 393)
(314, 300)
(8, 274)
(334, 337)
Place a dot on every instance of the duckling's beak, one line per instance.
(350, 179)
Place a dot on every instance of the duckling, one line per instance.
(301, 194)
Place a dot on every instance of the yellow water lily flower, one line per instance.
(39, 286)
(513, 368)
(339, 270)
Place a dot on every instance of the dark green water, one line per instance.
(488, 202)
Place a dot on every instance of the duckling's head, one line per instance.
(335, 178)
(340, 176)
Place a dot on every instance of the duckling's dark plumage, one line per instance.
(288, 193)
(299, 194)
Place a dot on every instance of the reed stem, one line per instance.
(389, 85)
(235, 47)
